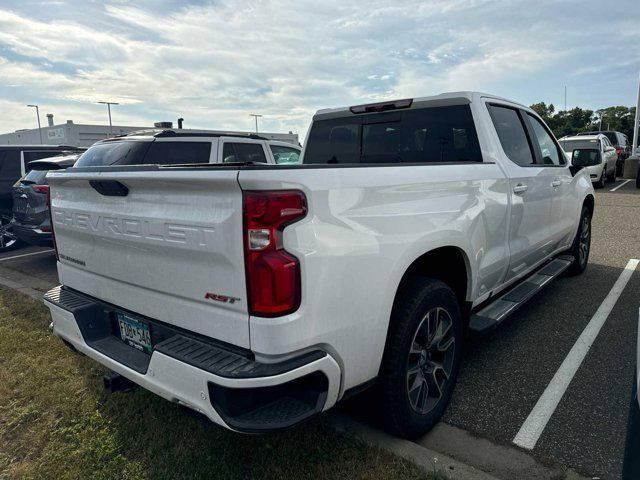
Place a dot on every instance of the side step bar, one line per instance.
(490, 316)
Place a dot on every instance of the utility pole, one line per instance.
(108, 104)
(601, 115)
(634, 145)
(565, 98)
(37, 115)
(255, 115)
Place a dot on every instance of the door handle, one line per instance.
(556, 182)
(520, 188)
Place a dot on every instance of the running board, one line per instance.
(490, 316)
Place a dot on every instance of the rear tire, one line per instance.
(422, 357)
(581, 244)
(8, 240)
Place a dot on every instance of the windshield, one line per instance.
(113, 153)
(585, 157)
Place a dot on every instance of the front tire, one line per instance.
(422, 357)
(603, 178)
(581, 244)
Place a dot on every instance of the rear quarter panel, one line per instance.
(364, 227)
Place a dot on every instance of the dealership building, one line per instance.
(84, 135)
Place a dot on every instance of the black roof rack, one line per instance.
(157, 133)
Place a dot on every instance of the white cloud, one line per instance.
(214, 64)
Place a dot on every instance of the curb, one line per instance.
(426, 459)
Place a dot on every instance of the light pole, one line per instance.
(108, 104)
(601, 115)
(255, 115)
(37, 115)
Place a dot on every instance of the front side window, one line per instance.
(243, 152)
(425, 135)
(284, 155)
(511, 133)
(548, 149)
(177, 153)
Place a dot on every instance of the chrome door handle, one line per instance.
(556, 182)
(520, 188)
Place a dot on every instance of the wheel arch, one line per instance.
(449, 264)
(589, 202)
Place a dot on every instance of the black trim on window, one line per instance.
(538, 153)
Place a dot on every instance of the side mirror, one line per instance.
(575, 169)
(608, 149)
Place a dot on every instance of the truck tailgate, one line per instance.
(170, 248)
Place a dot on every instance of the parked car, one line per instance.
(14, 160)
(179, 147)
(31, 222)
(622, 145)
(261, 296)
(595, 153)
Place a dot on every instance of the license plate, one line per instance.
(134, 332)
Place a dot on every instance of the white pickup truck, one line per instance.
(262, 295)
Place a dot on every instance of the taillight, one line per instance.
(53, 234)
(40, 188)
(273, 274)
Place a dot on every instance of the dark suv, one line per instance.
(14, 161)
(31, 222)
(620, 142)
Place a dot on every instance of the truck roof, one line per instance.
(442, 99)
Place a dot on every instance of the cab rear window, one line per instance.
(427, 135)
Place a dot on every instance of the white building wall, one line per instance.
(81, 135)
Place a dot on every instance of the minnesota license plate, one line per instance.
(134, 332)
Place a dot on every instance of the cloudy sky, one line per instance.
(215, 62)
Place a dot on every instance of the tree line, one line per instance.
(577, 120)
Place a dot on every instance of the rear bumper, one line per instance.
(32, 235)
(219, 381)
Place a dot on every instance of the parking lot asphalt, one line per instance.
(595, 429)
(504, 374)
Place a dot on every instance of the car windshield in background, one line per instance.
(113, 153)
(570, 145)
(613, 138)
(439, 134)
(130, 152)
(585, 157)
(37, 177)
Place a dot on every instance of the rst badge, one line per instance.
(221, 298)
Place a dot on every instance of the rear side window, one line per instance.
(284, 155)
(512, 135)
(243, 152)
(38, 155)
(10, 165)
(177, 153)
(114, 153)
(427, 135)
